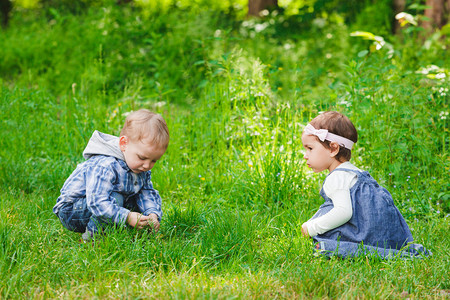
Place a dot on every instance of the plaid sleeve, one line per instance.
(149, 200)
(99, 186)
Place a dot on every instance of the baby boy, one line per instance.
(113, 186)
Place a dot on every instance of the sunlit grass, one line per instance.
(234, 185)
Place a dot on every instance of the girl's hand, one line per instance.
(138, 220)
(305, 230)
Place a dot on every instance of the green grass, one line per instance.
(234, 185)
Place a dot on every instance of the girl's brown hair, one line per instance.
(339, 124)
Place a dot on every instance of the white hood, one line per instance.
(103, 144)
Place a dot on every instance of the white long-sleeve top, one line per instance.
(337, 187)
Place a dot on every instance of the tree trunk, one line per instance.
(5, 9)
(255, 6)
(398, 6)
(446, 12)
(435, 14)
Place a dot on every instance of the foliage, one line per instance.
(236, 95)
(376, 16)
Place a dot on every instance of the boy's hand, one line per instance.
(140, 221)
(137, 220)
(153, 222)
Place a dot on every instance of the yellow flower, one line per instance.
(280, 88)
(280, 69)
(203, 178)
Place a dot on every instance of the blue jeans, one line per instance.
(77, 217)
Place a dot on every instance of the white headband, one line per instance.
(323, 135)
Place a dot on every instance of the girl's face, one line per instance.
(140, 156)
(317, 156)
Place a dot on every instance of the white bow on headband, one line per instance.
(323, 135)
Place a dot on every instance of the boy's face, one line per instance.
(140, 156)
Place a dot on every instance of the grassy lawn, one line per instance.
(234, 185)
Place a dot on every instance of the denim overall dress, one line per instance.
(376, 227)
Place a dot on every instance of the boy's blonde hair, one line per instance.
(339, 124)
(145, 125)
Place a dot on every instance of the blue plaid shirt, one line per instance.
(99, 176)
